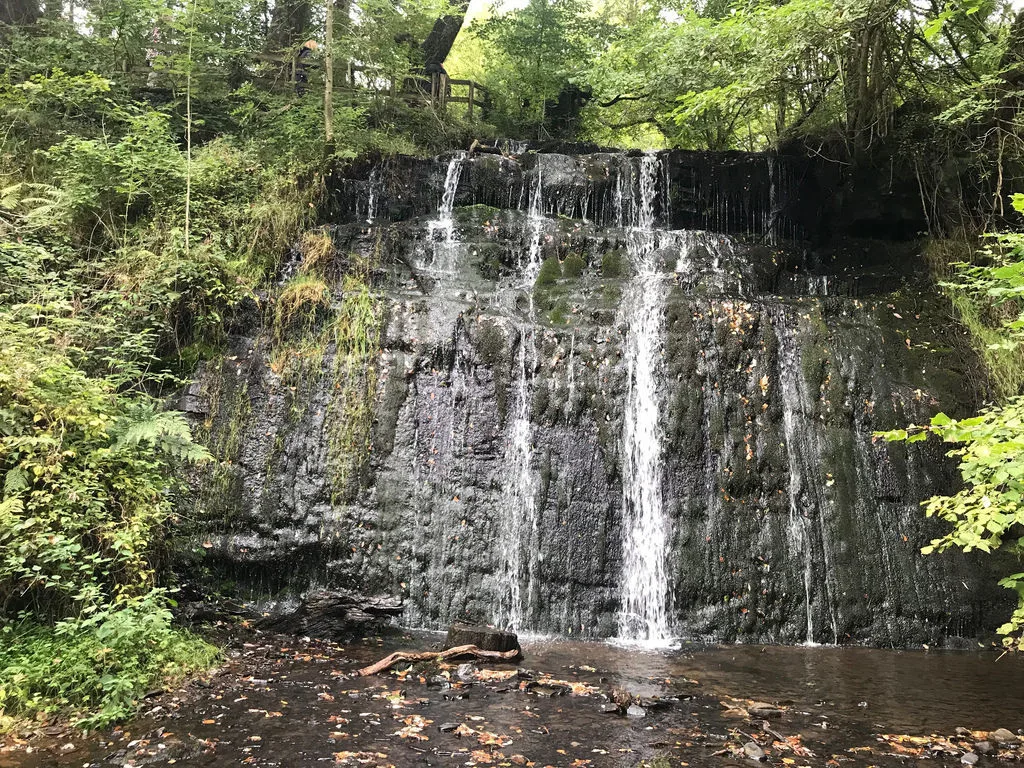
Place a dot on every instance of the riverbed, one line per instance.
(284, 701)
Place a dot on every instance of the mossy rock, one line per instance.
(476, 214)
(559, 313)
(612, 294)
(573, 266)
(491, 345)
(550, 272)
(488, 260)
(612, 264)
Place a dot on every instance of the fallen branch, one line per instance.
(462, 650)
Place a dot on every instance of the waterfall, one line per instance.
(673, 441)
(373, 194)
(644, 611)
(518, 539)
(441, 230)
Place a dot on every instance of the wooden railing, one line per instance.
(437, 89)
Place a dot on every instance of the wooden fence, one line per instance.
(438, 90)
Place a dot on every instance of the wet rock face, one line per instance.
(490, 485)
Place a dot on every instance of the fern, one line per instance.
(35, 205)
(14, 481)
(166, 431)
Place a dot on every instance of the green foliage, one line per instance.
(748, 75)
(533, 52)
(85, 496)
(355, 335)
(983, 514)
(97, 666)
(300, 304)
(987, 291)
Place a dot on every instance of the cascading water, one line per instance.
(644, 611)
(518, 540)
(709, 473)
(441, 230)
(373, 194)
(805, 498)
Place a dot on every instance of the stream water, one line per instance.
(291, 702)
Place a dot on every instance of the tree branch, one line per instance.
(623, 97)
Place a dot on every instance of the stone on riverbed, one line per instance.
(969, 758)
(1005, 738)
(753, 751)
(484, 638)
(761, 709)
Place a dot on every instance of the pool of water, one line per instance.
(281, 701)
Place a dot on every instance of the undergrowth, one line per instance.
(95, 669)
(984, 316)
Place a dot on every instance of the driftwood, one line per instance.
(463, 650)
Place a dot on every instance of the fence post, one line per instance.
(472, 97)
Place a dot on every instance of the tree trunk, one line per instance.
(329, 72)
(19, 12)
(439, 42)
(288, 25)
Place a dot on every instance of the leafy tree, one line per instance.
(540, 48)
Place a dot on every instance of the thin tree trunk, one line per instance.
(329, 73)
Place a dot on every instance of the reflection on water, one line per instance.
(284, 701)
(911, 691)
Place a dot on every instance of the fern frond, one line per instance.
(15, 480)
(166, 431)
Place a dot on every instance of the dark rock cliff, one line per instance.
(487, 478)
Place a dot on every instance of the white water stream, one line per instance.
(643, 614)
(441, 230)
(518, 544)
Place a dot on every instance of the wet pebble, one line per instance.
(609, 708)
(969, 759)
(753, 751)
(760, 709)
(1004, 737)
(635, 711)
(984, 748)
(447, 727)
